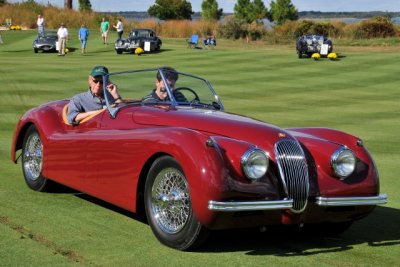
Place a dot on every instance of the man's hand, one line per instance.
(113, 90)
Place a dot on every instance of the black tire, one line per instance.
(35, 50)
(32, 161)
(168, 206)
(119, 52)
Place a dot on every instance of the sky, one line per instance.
(228, 5)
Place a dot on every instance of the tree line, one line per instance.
(246, 10)
(247, 21)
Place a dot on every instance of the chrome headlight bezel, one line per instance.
(343, 162)
(254, 163)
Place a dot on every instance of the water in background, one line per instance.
(268, 24)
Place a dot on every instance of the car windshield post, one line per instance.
(112, 109)
(169, 90)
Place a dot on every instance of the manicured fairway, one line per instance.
(359, 93)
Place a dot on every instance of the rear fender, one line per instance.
(46, 121)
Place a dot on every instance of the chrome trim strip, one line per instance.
(250, 205)
(351, 201)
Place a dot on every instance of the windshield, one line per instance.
(49, 34)
(141, 33)
(179, 89)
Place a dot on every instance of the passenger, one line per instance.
(160, 92)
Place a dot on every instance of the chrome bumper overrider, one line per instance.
(288, 203)
(351, 201)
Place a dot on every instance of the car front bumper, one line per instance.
(233, 206)
(45, 47)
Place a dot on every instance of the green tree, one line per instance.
(250, 11)
(171, 9)
(2, 2)
(242, 9)
(210, 11)
(282, 10)
(259, 11)
(85, 5)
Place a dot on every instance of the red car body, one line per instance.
(110, 157)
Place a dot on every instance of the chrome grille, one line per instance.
(294, 172)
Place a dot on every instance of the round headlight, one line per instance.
(343, 162)
(254, 163)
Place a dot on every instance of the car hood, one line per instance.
(213, 122)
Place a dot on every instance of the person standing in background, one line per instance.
(40, 24)
(62, 34)
(104, 28)
(83, 36)
(120, 28)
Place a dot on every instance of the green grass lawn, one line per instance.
(357, 93)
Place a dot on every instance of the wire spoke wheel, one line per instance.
(171, 201)
(168, 206)
(32, 157)
(32, 161)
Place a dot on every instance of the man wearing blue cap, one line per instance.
(87, 103)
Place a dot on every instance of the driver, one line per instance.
(88, 103)
(160, 94)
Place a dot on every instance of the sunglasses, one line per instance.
(97, 81)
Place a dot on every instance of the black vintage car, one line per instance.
(312, 43)
(146, 39)
(45, 42)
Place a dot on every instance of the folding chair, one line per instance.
(193, 41)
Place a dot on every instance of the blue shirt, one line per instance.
(83, 102)
(83, 33)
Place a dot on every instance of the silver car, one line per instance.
(45, 42)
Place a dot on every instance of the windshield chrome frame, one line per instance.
(113, 109)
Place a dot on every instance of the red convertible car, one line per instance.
(190, 167)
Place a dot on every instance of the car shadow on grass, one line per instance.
(135, 216)
(286, 241)
(373, 230)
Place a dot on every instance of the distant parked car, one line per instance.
(138, 38)
(46, 42)
(310, 44)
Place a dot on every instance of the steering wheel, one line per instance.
(183, 88)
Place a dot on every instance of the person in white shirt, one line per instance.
(120, 28)
(62, 34)
(40, 24)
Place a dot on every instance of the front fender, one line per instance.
(213, 170)
(202, 164)
(319, 144)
